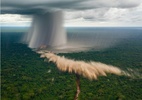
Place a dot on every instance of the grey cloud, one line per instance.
(73, 15)
(27, 10)
(116, 15)
(35, 7)
(95, 14)
(128, 3)
(41, 6)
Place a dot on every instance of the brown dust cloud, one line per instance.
(90, 70)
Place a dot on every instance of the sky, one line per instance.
(76, 12)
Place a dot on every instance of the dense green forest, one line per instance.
(25, 76)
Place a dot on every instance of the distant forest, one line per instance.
(26, 76)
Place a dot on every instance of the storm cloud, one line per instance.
(36, 6)
(79, 12)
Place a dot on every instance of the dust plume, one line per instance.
(90, 70)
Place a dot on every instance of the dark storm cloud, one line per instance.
(41, 6)
(34, 7)
(17, 10)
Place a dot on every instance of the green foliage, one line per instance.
(25, 76)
